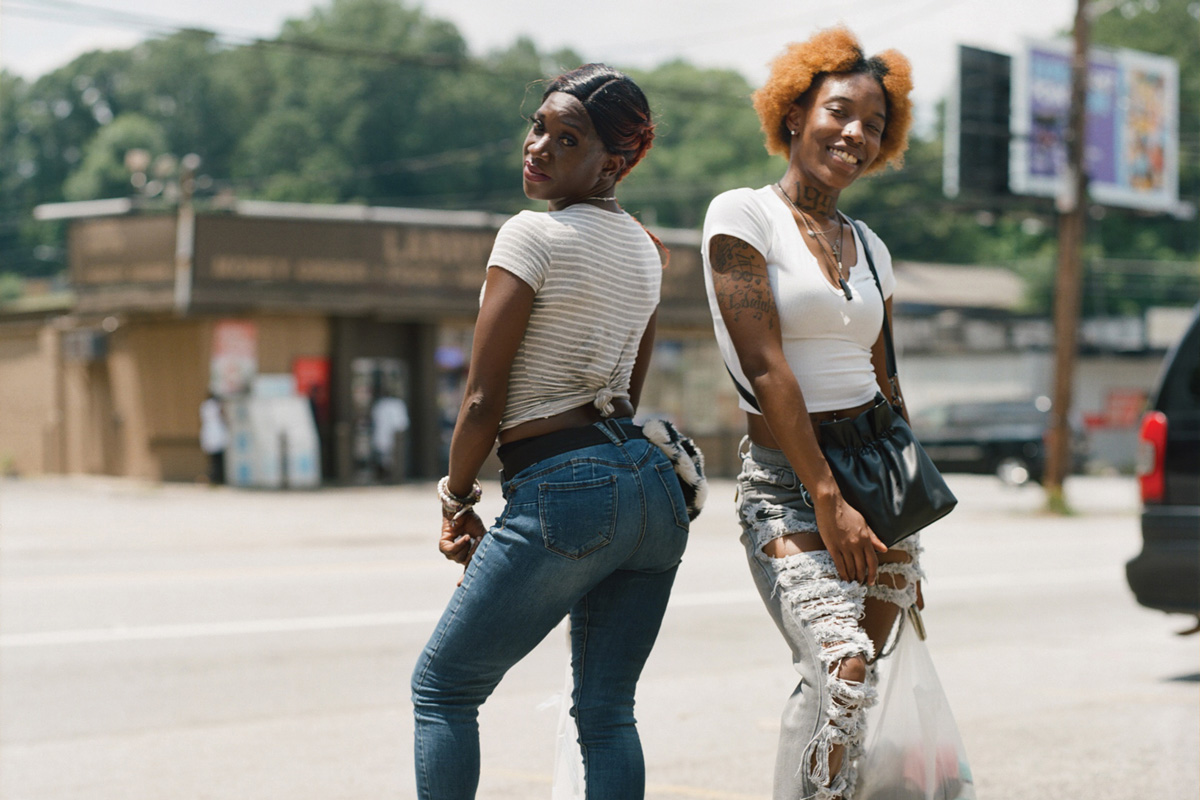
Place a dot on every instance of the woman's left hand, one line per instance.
(461, 536)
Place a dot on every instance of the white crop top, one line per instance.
(827, 339)
(596, 276)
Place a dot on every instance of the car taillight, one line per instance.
(1152, 448)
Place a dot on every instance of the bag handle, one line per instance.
(743, 391)
(887, 333)
(887, 326)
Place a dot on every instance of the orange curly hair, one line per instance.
(836, 50)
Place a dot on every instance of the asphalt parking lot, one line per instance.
(176, 641)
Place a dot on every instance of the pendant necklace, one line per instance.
(831, 250)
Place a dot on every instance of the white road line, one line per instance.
(205, 629)
(949, 588)
(290, 625)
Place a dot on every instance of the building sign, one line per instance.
(325, 263)
(234, 357)
(121, 262)
(422, 270)
(1123, 407)
(1131, 140)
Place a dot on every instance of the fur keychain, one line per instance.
(687, 460)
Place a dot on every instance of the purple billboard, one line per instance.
(1131, 141)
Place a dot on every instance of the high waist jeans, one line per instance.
(597, 533)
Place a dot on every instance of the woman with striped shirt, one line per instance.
(595, 521)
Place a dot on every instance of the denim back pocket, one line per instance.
(578, 517)
(670, 482)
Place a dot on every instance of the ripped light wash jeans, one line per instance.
(818, 614)
(596, 532)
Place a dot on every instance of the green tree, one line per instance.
(707, 141)
(376, 101)
(178, 83)
(103, 172)
(347, 82)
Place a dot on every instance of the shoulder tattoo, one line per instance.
(740, 281)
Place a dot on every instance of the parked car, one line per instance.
(1004, 437)
(1166, 574)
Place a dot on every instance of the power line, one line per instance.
(86, 14)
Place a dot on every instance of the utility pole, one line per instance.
(1072, 220)
(185, 233)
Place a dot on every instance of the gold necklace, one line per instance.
(828, 249)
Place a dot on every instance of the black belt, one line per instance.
(517, 456)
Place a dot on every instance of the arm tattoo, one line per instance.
(740, 280)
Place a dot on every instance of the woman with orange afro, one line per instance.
(798, 315)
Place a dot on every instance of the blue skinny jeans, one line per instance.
(598, 533)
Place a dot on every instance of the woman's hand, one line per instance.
(848, 538)
(461, 536)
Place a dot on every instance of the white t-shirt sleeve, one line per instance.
(737, 213)
(522, 248)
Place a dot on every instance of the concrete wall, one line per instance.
(135, 412)
(30, 385)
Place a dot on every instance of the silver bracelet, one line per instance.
(453, 506)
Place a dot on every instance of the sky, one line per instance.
(37, 36)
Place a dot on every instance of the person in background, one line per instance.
(214, 437)
(798, 318)
(595, 521)
(389, 417)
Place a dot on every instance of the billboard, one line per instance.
(975, 157)
(1131, 139)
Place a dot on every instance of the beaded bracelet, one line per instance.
(453, 506)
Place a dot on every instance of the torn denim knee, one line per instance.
(765, 521)
(897, 580)
(771, 503)
(810, 590)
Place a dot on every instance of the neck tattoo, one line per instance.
(831, 249)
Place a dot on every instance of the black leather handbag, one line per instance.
(880, 467)
(884, 473)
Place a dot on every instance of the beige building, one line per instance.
(350, 303)
(353, 302)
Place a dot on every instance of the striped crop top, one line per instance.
(596, 276)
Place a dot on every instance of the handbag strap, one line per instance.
(887, 327)
(887, 332)
(743, 391)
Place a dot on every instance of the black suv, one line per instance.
(1005, 437)
(1166, 574)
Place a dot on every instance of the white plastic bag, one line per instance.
(913, 749)
(568, 758)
